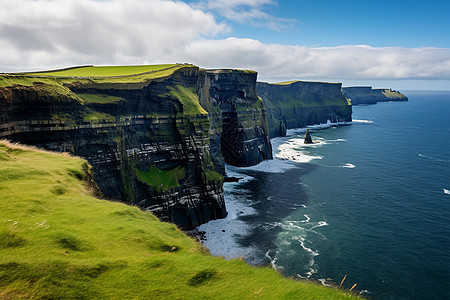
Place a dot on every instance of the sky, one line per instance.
(393, 44)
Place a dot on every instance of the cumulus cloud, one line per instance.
(344, 62)
(41, 33)
(45, 34)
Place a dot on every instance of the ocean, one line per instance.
(369, 202)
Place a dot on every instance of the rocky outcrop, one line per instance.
(367, 95)
(298, 104)
(308, 139)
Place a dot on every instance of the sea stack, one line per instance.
(308, 139)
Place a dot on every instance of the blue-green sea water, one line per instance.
(371, 201)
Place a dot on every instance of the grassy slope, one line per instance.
(189, 100)
(58, 241)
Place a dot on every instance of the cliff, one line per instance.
(239, 128)
(367, 95)
(298, 104)
(148, 138)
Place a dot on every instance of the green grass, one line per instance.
(393, 94)
(96, 117)
(189, 99)
(294, 81)
(100, 98)
(59, 242)
(114, 77)
(212, 175)
(161, 179)
(104, 71)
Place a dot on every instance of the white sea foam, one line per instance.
(272, 166)
(221, 234)
(326, 125)
(362, 121)
(307, 219)
(446, 191)
(433, 158)
(320, 224)
(349, 165)
(291, 150)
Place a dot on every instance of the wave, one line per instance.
(446, 191)
(291, 150)
(349, 165)
(271, 166)
(326, 125)
(307, 219)
(320, 224)
(361, 121)
(433, 158)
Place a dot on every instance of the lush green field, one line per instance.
(57, 241)
(104, 71)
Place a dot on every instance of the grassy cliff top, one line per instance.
(103, 71)
(295, 81)
(57, 241)
(94, 77)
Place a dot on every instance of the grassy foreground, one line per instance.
(57, 241)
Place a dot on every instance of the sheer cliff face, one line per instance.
(367, 95)
(298, 104)
(148, 143)
(158, 143)
(239, 132)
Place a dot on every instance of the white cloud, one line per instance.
(41, 33)
(45, 34)
(281, 62)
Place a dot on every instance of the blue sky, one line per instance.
(397, 44)
(378, 23)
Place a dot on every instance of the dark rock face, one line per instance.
(308, 139)
(298, 104)
(238, 118)
(366, 95)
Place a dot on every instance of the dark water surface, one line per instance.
(370, 201)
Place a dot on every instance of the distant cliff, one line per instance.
(298, 104)
(148, 138)
(368, 95)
